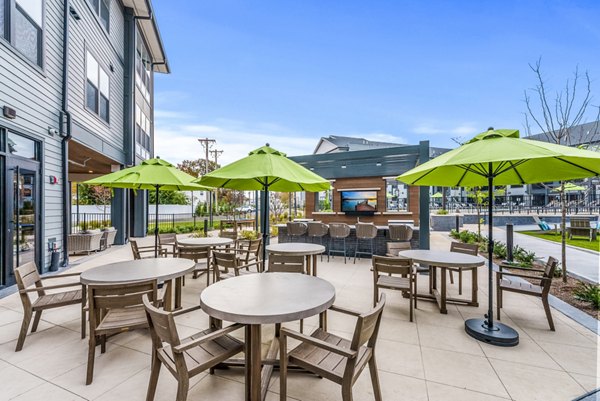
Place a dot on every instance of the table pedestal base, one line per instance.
(499, 334)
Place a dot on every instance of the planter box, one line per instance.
(445, 222)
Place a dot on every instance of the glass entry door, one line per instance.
(22, 194)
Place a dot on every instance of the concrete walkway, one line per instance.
(581, 263)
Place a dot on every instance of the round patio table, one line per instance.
(160, 269)
(206, 241)
(300, 249)
(443, 260)
(267, 298)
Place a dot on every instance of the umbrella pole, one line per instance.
(156, 225)
(485, 329)
(265, 222)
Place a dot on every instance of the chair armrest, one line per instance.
(209, 337)
(61, 276)
(185, 310)
(523, 276)
(505, 266)
(344, 310)
(348, 353)
(49, 287)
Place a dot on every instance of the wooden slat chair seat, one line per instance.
(333, 357)
(187, 357)
(29, 281)
(114, 309)
(395, 274)
(504, 283)
(468, 249)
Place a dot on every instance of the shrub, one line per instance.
(500, 250)
(249, 234)
(454, 234)
(588, 293)
(442, 212)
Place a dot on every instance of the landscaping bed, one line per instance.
(579, 242)
(577, 293)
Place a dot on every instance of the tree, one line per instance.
(556, 115)
(276, 205)
(168, 198)
(197, 167)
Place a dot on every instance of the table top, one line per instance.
(443, 258)
(130, 271)
(267, 298)
(296, 248)
(206, 241)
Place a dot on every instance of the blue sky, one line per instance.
(289, 72)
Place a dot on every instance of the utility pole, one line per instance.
(207, 144)
(216, 153)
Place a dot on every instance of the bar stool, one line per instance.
(365, 232)
(317, 231)
(295, 230)
(400, 232)
(338, 232)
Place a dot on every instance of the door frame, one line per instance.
(11, 163)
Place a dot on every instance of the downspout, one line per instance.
(65, 124)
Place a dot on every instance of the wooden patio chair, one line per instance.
(541, 290)
(335, 358)
(249, 252)
(144, 252)
(395, 274)
(196, 253)
(227, 265)
(29, 281)
(468, 249)
(187, 357)
(114, 309)
(168, 243)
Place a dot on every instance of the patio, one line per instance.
(431, 359)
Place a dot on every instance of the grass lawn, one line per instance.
(579, 242)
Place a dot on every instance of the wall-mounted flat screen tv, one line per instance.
(359, 201)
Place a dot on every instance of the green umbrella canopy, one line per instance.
(570, 187)
(150, 174)
(436, 195)
(514, 161)
(265, 167)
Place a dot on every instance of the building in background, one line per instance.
(76, 94)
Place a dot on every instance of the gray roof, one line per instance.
(349, 144)
(588, 133)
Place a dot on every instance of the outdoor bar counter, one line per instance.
(380, 241)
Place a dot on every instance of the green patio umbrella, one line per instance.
(501, 157)
(437, 195)
(570, 187)
(265, 169)
(153, 174)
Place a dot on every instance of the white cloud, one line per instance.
(434, 129)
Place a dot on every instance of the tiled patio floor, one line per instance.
(431, 359)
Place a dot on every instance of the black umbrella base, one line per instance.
(500, 334)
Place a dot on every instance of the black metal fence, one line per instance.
(89, 221)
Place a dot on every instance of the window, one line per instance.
(396, 195)
(102, 8)
(97, 88)
(26, 18)
(324, 201)
(143, 127)
(23, 147)
(143, 65)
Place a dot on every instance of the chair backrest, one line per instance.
(167, 239)
(194, 253)
(296, 228)
(367, 326)
(393, 248)
(390, 265)
(122, 295)
(162, 325)
(366, 230)
(252, 248)
(223, 261)
(134, 249)
(339, 230)
(229, 234)
(549, 269)
(27, 275)
(469, 249)
(317, 229)
(580, 222)
(400, 232)
(280, 263)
